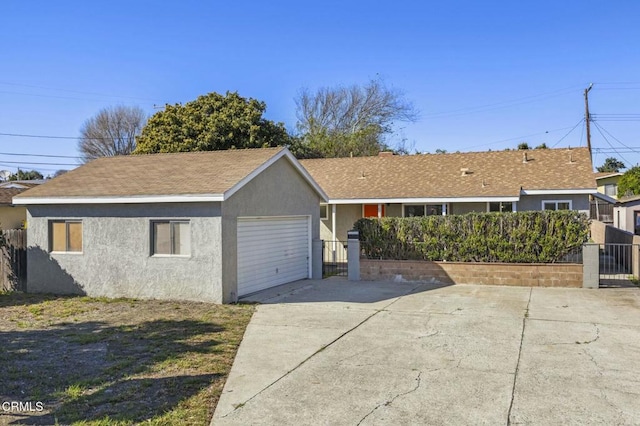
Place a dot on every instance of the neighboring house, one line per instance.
(202, 226)
(603, 202)
(419, 185)
(608, 183)
(626, 214)
(12, 216)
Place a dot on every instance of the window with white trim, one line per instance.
(324, 211)
(65, 236)
(556, 205)
(416, 210)
(500, 206)
(171, 237)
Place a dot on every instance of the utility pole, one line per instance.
(587, 116)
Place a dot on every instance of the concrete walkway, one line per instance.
(343, 353)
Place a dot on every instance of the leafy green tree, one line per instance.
(542, 146)
(211, 122)
(629, 183)
(344, 121)
(325, 144)
(26, 175)
(56, 174)
(612, 165)
(523, 146)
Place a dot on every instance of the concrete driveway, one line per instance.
(373, 353)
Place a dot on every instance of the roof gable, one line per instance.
(193, 176)
(462, 175)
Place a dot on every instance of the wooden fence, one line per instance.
(13, 260)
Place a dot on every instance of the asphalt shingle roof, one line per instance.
(7, 194)
(189, 173)
(490, 174)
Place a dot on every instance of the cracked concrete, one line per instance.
(338, 352)
(390, 401)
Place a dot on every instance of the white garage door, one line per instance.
(272, 251)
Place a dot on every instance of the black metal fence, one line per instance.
(619, 264)
(334, 258)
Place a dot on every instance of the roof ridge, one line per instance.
(147, 154)
(448, 154)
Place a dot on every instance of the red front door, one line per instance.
(371, 210)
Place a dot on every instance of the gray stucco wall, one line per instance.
(464, 208)
(278, 191)
(116, 260)
(393, 210)
(346, 216)
(534, 202)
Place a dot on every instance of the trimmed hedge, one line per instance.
(523, 237)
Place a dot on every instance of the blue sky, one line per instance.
(484, 75)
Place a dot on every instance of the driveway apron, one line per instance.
(339, 352)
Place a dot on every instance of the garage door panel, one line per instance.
(291, 263)
(289, 250)
(272, 251)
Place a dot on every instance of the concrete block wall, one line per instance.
(511, 274)
(602, 233)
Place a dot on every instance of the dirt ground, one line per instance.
(102, 361)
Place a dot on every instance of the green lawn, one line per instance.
(115, 362)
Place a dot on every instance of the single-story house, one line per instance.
(202, 226)
(603, 202)
(419, 185)
(12, 216)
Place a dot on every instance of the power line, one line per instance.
(39, 155)
(20, 135)
(609, 143)
(44, 164)
(616, 139)
(618, 88)
(620, 82)
(77, 91)
(518, 138)
(616, 117)
(504, 104)
(569, 132)
(50, 96)
(39, 168)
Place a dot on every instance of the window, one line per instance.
(414, 210)
(501, 207)
(556, 205)
(324, 211)
(611, 189)
(65, 236)
(171, 238)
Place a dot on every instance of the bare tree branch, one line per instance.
(366, 113)
(112, 131)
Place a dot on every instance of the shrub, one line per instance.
(523, 237)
